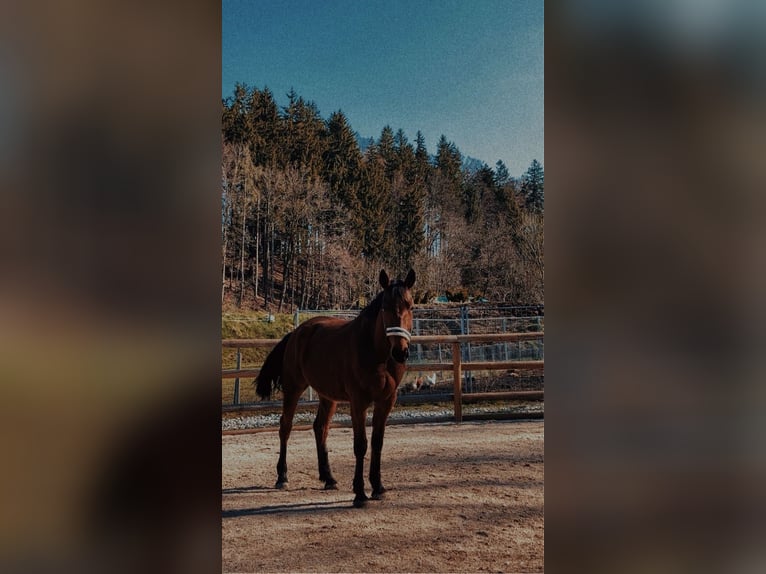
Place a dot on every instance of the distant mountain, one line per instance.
(471, 164)
(363, 143)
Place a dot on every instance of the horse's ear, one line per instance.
(383, 278)
(409, 281)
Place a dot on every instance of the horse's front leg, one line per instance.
(358, 419)
(379, 418)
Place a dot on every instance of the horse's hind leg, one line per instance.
(321, 428)
(289, 404)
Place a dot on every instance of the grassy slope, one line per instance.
(249, 325)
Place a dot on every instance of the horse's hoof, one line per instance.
(331, 485)
(360, 501)
(379, 494)
(281, 484)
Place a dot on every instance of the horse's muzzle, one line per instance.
(400, 355)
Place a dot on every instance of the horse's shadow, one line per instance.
(290, 508)
(256, 488)
(246, 489)
(297, 508)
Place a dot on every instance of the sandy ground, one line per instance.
(461, 498)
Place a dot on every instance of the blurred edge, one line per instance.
(110, 330)
(655, 316)
(110, 317)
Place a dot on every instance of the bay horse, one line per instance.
(361, 362)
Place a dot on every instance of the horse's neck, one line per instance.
(372, 332)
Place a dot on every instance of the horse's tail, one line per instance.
(271, 372)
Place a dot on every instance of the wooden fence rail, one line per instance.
(457, 366)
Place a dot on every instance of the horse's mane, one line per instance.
(371, 311)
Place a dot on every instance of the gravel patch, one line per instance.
(399, 414)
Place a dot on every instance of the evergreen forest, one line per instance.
(308, 217)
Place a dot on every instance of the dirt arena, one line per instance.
(461, 498)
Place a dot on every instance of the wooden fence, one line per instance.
(456, 365)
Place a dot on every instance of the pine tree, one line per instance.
(263, 118)
(533, 187)
(405, 156)
(501, 174)
(342, 165)
(409, 228)
(375, 208)
(304, 133)
(235, 121)
(448, 168)
(448, 159)
(387, 151)
(422, 161)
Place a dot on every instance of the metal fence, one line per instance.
(456, 319)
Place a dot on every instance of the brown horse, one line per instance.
(361, 362)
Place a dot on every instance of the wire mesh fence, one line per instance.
(466, 320)
(448, 320)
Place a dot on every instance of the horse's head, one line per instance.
(396, 311)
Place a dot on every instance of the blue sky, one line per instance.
(470, 70)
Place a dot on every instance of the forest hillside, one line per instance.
(308, 219)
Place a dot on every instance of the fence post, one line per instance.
(236, 381)
(457, 381)
(465, 329)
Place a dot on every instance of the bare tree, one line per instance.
(299, 199)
